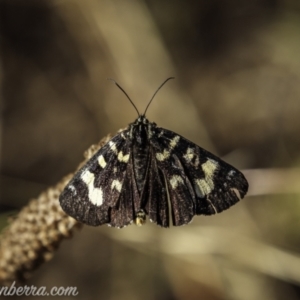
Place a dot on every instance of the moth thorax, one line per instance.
(140, 218)
(140, 159)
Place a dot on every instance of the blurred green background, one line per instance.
(236, 93)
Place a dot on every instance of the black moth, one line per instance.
(148, 170)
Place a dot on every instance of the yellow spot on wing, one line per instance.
(123, 158)
(189, 154)
(174, 141)
(101, 161)
(95, 194)
(166, 153)
(175, 180)
(209, 167)
(206, 185)
(117, 185)
(163, 156)
(113, 146)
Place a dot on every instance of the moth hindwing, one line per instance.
(150, 171)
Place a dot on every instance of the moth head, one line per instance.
(141, 120)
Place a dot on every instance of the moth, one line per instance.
(146, 170)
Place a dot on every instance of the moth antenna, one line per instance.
(156, 93)
(125, 94)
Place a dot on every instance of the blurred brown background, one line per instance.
(236, 93)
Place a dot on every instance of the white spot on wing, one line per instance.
(203, 188)
(209, 167)
(189, 155)
(174, 141)
(113, 146)
(163, 156)
(167, 152)
(230, 174)
(72, 188)
(95, 194)
(123, 158)
(101, 161)
(206, 185)
(116, 184)
(161, 133)
(175, 180)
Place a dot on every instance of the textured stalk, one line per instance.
(35, 233)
